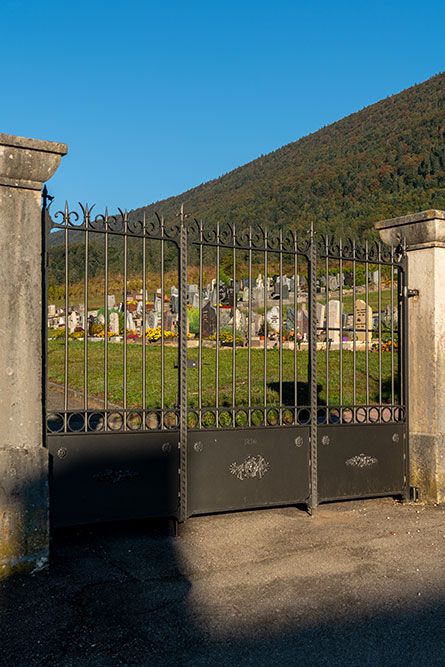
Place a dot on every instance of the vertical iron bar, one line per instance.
(280, 370)
(67, 268)
(312, 299)
(295, 326)
(392, 324)
(367, 327)
(328, 331)
(380, 323)
(200, 325)
(125, 320)
(85, 338)
(249, 333)
(354, 331)
(234, 330)
(44, 241)
(183, 365)
(106, 323)
(218, 323)
(162, 326)
(144, 317)
(340, 269)
(265, 324)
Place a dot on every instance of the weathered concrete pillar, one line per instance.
(425, 238)
(25, 164)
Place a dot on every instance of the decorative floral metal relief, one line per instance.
(252, 466)
(361, 461)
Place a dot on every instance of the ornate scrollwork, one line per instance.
(258, 237)
(347, 250)
(274, 239)
(288, 241)
(303, 242)
(194, 229)
(226, 234)
(209, 233)
(69, 218)
(243, 238)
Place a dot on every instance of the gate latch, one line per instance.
(412, 292)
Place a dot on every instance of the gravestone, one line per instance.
(169, 321)
(273, 318)
(285, 292)
(111, 300)
(195, 302)
(208, 320)
(320, 315)
(130, 321)
(174, 300)
(334, 312)
(303, 321)
(258, 296)
(246, 295)
(240, 321)
(151, 320)
(51, 310)
(114, 323)
(363, 327)
(101, 319)
(375, 277)
(290, 318)
(72, 321)
(332, 284)
(256, 322)
(191, 291)
(349, 279)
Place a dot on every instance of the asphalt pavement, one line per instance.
(360, 583)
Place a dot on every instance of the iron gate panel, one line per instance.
(221, 417)
(229, 470)
(360, 461)
(113, 476)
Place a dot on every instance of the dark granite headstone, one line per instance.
(208, 320)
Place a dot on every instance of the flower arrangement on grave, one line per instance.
(226, 338)
(153, 335)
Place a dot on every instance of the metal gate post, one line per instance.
(312, 298)
(183, 366)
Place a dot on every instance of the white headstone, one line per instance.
(273, 318)
(72, 321)
(130, 321)
(114, 323)
(101, 319)
(334, 313)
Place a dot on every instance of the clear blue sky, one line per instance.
(154, 98)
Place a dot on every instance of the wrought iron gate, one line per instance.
(230, 391)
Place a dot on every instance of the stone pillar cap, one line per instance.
(420, 230)
(28, 163)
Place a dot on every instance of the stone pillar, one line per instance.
(25, 164)
(425, 239)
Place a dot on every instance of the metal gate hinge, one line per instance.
(411, 292)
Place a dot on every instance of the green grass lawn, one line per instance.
(226, 370)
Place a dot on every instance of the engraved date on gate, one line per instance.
(250, 441)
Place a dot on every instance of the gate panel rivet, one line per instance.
(395, 437)
(62, 452)
(325, 440)
(198, 446)
(299, 441)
